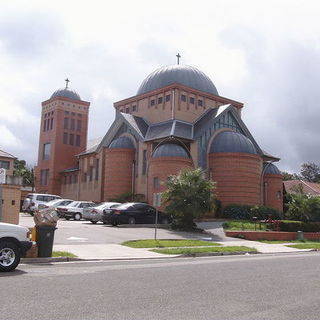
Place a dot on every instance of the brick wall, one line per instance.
(11, 196)
(117, 178)
(271, 235)
(162, 168)
(273, 191)
(238, 177)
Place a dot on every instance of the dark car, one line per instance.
(132, 213)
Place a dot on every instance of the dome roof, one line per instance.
(185, 75)
(170, 150)
(67, 93)
(230, 141)
(122, 143)
(270, 168)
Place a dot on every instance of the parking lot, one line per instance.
(84, 232)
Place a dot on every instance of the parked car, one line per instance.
(55, 203)
(32, 201)
(132, 213)
(74, 210)
(94, 214)
(14, 243)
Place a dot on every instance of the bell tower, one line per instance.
(63, 135)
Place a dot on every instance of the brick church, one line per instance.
(176, 120)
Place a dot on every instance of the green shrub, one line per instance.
(247, 212)
(294, 226)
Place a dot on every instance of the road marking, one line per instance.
(77, 239)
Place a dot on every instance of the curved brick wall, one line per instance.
(118, 172)
(273, 191)
(163, 168)
(238, 177)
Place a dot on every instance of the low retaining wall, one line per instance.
(271, 235)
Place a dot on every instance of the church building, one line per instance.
(176, 120)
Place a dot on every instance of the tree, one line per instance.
(290, 176)
(188, 196)
(310, 172)
(22, 170)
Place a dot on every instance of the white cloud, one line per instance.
(254, 51)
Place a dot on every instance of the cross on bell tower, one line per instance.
(178, 58)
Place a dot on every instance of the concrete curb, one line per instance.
(49, 260)
(208, 254)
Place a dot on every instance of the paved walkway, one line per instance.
(215, 228)
(108, 251)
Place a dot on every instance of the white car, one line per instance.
(55, 203)
(94, 214)
(14, 243)
(32, 201)
(74, 209)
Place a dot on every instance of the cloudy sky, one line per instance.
(263, 53)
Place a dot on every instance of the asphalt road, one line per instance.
(281, 287)
(84, 232)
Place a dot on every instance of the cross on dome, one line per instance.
(178, 58)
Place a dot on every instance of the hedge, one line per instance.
(247, 212)
(294, 226)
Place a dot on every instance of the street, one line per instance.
(282, 286)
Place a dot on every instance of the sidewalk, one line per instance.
(108, 251)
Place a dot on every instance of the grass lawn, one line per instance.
(306, 245)
(150, 243)
(57, 254)
(243, 225)
(201, 250)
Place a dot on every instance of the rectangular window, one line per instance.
(71, 139)
(75, 178)
(183, 98)
(44, 177)
(84, 177)
(73, 113)
(79, 115)
(44, 125)
(5, 164)
(73, 124)
(160, 99)
(134, 108)
(66, 123)
(152, 102)
(48, 124)
(65, 179)
(66, 112)
(191, 100)
(144, 162)
(200, 103)
(127, 110)
(77, 140)
(51, 124)
(79, 123)
(97, 170)
(90, 173)
(65, 138)
(46, 151)
(156, 183)
(168, 97)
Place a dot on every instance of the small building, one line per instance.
(302, 187)
(10, 189)
(176, 120)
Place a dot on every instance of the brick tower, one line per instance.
(63, 135)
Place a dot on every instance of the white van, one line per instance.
(32, 201)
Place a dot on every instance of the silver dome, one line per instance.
(122, 143)
(170, 150)
(183, 74)
(271, 169)
(67, 93)
(230, 141)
